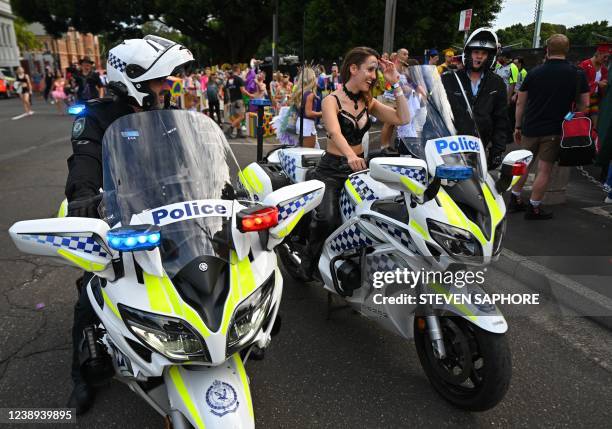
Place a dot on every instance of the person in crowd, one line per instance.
(508, 71)
(401, 62)
(546, 96)
(277, 77)
(59, 95)
(597, 78)
(213, 89)
(433, 57)
(477, 88)
(236, 88)
(48, 78)
(522, 73)
(285, 90)
(306, 106)
(449, 54)
(23, 86)
(88, 83)
(334, 80)
(346, 114)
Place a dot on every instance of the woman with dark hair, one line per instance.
(346, 114)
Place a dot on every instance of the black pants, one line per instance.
(332, 170)
(84, 315)
(214, 109)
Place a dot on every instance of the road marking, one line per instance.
(17, 153)
(23, 115)
(605, 211)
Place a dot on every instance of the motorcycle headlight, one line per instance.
(249, 317)
(500, 230)
(174, 338)
(456, 241)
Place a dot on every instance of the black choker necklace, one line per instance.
(353, 97)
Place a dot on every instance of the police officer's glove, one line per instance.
(85, 207)
(495, 160)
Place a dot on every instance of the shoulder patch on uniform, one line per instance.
(78, 127)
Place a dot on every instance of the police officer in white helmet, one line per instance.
(136, 71)
(485, 93)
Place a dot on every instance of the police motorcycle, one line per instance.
(434, 210)
(185, 278)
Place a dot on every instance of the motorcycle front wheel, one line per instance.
(475, 373)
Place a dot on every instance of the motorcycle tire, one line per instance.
(482, 380)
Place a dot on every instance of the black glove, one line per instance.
(495, 160)
(85, 207)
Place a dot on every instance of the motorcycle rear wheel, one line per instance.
(475, 374)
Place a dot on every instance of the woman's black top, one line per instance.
(349, 124)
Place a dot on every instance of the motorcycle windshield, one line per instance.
(176, 169)
(431, 116)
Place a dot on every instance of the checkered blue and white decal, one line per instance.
(400, 234)
(347, 207)
(417, 174)
(116, 62)
(81, 244)
(380, 262)
(287, 208)
(351, 238)
(288, 163)
(362, 188)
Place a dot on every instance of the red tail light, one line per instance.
(257, 219)
(519, 168)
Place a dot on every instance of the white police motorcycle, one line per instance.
(433, 213)
(185, 279)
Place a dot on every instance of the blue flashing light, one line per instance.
(454, 172)
(76, 109)
(134, 237)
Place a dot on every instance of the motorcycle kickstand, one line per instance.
(331, 308)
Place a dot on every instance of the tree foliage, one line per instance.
(580, 35)
(26, 40)
(233, 30)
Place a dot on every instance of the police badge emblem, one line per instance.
(78, 127)
(222, 399)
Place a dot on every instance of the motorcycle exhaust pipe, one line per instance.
(96, 364)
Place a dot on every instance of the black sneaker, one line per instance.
(228, 133)
(537, 213)
(241, 135)
(516, 204)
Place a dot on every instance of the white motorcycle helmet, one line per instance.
(137, 61)
(482, 38)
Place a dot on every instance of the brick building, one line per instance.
(61, 53)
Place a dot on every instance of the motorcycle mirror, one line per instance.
(515, 164)
(402, 174)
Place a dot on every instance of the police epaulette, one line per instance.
(101, 100)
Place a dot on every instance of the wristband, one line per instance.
(398, 92)
(396, 85)
(517, 128)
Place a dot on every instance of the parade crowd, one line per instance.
(224, 93)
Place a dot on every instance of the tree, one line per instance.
(589, 34)
(335, 26)
(229, 29)
(26, 40)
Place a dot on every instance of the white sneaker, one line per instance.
(31, 112)
(608, 200)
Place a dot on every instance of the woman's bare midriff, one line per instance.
(331, 148)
